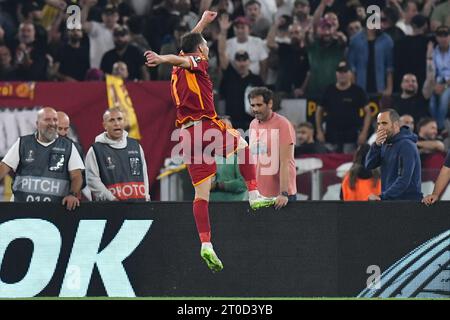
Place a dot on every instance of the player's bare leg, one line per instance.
(201, 216)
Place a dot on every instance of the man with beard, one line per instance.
(410, 101)
(395, 150)
(371, 57)
(324, 55)
(47, 167)
(127, 53)
(74, 50)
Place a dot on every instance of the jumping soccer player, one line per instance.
(192, 92)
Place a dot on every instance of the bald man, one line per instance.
(47, 167)
(63, 124)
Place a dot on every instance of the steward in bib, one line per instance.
(116, 169)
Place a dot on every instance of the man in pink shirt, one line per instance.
(272, 142)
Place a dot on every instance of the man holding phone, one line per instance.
(395, 150)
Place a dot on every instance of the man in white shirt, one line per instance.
(47, 167)
(100, 34)
(256, 47)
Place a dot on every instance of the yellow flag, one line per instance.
(8, 191)
(118, 97)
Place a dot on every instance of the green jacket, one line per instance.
(234, 184)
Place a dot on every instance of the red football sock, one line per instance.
(247, 168)
(201, 216)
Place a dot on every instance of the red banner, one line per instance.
(85, 103)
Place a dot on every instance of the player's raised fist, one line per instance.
(209, 16)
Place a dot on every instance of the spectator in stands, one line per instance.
(8, 72)
(275, 164)
(127, 53)
(72, 60)
(410, 53)
(428, 141)
(255, 46)
(228, 183)
(408, 121)
(389, 18)
(161, 22)
(2, 35)
(293, 65)
(259, 26)
(324, 54)
(188, 17)
(268, 8)
(31, 60)
(94, 75)
(408, 11)
(371, 57)
(116, 169)
(120, 70)
(395, 151)
(302, 14)
(305, 143)
(236, 79)
(410, 100)
(440, 99)
(136, 26)
(100, 34)
(32, 12)
(342, 102)
(50, 167)
(359, 183)
(441, 183)
(171, 47)
(353, 28)
(441, 15)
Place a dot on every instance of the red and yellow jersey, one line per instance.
(192, 90)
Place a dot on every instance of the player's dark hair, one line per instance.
(190, 41)
(306, 125)
(267, 94)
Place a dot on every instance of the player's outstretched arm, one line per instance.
(154, 59)
(207, 18)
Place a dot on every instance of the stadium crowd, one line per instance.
(330, 52)
(291, 46)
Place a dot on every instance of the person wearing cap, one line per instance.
(236, 78)
(410, 52)
(256, 48)
(343, 102)
(74, 50)
(324, 54)
(100, 34)
(127, 53)
(440, 98)
(440, 15)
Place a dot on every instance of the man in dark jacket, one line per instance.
(395, 150)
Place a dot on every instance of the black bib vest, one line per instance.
(42, 173)
(121, 170)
